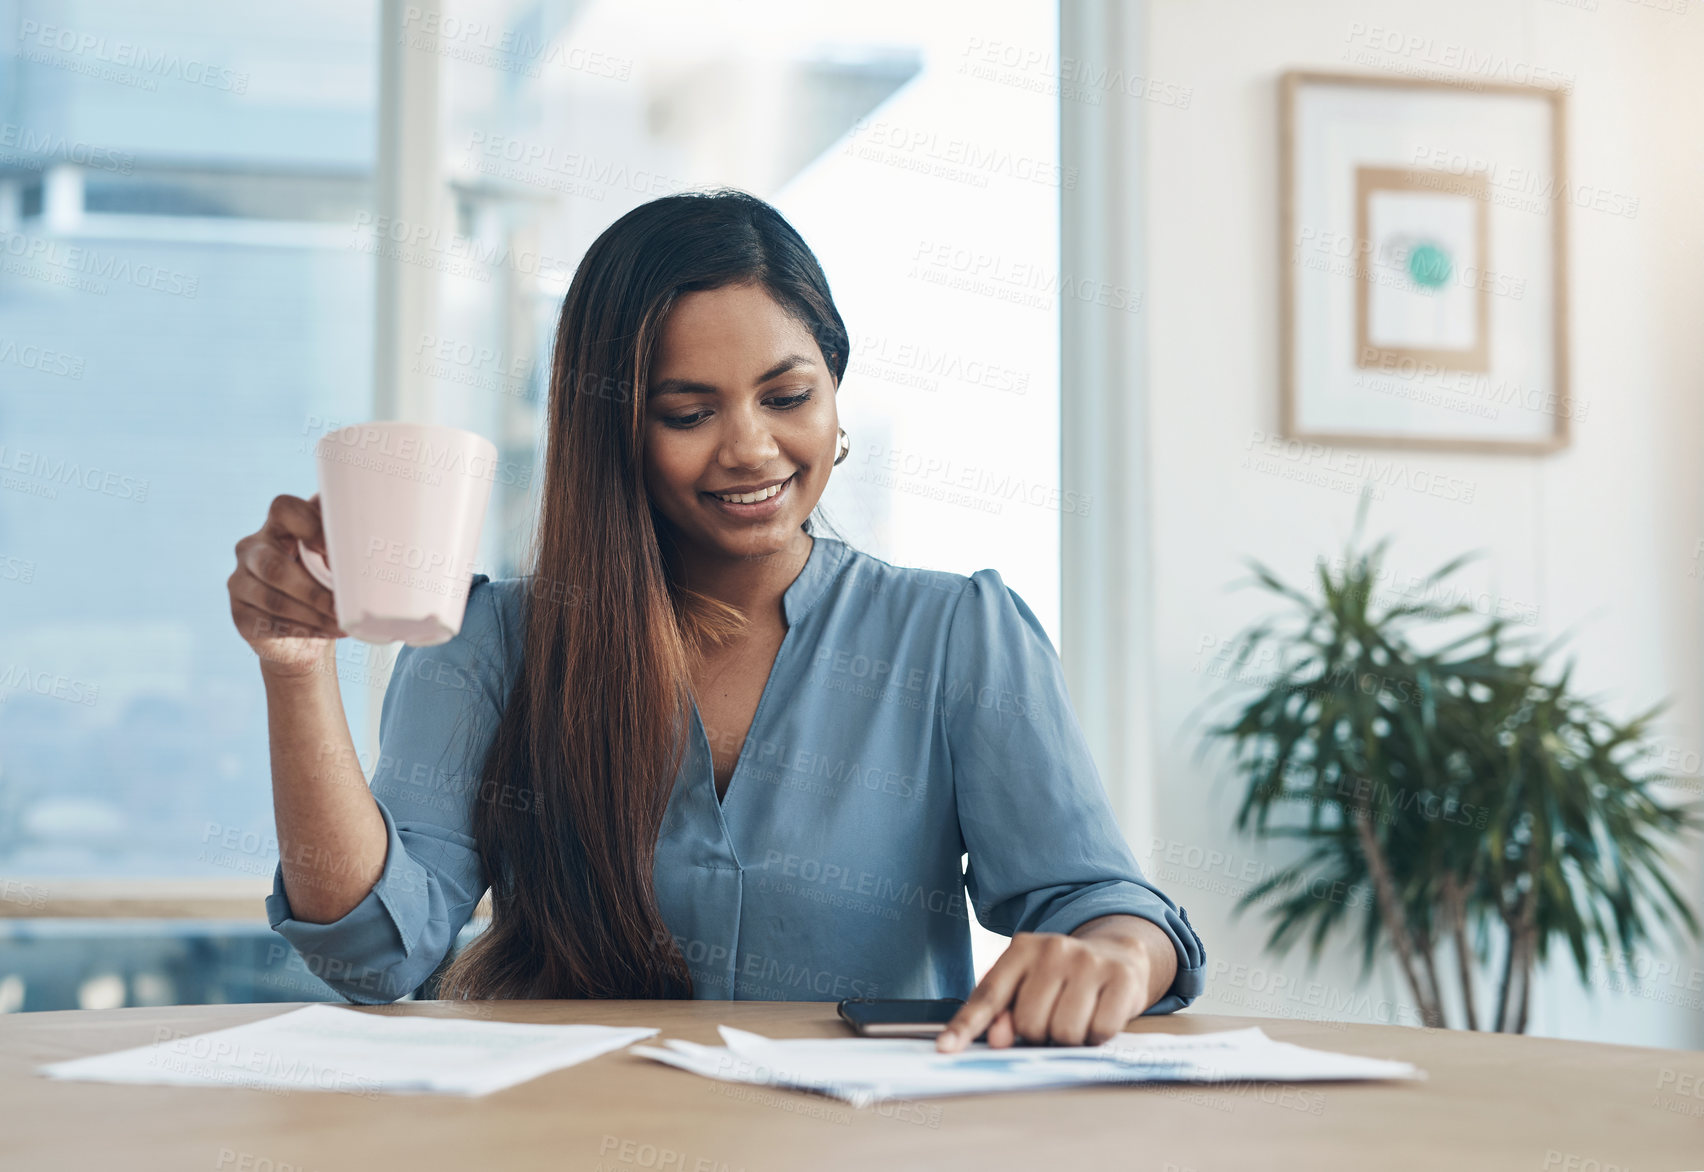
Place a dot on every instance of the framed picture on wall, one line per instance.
(1423, 225)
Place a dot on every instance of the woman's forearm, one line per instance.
(331, 837)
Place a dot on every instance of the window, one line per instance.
(193, 208)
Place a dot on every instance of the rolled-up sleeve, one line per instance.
(437, 722)
(1046, 853)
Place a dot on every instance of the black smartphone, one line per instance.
(874, 1017)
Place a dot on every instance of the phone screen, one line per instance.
(896, 1018)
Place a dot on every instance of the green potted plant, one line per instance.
(1435, 758)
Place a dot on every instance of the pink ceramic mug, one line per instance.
(402, 505)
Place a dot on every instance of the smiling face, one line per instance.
(740, 399)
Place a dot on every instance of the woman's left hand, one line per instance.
(1072, 990)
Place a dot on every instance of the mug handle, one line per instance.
(312, 562)
(315, 565)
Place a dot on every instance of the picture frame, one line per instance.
(1423, 227)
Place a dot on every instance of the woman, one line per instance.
(704, 749)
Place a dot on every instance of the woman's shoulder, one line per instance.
(487, 647)
(969, 613)
(867, 575)
(915, 588)
(501, 601)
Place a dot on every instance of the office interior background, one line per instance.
(229, 227)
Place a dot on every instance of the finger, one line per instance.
(255, 623)
(284, 572)
(992, 994)
(278, 595)
(1000, 1031)
(1074, 1008)
(1032, 1008)
(258, 626)
(1120, 1001)
(291, 517)
(269, 599)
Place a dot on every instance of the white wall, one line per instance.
(1600, 537)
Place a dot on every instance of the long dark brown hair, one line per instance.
(592, 734)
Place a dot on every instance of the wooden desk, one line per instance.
(1491, 1102)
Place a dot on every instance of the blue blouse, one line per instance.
(911, 716)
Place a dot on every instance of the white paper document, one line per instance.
(866, 1070)
(333, 1048)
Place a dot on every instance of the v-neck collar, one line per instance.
(821, 566)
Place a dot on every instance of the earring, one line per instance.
(845, 446)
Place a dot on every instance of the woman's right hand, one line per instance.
(279, 608)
